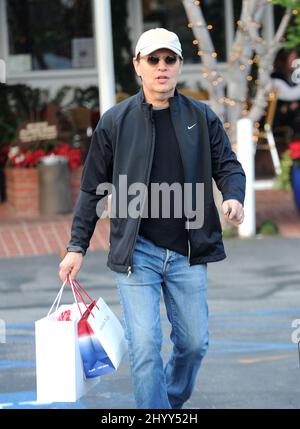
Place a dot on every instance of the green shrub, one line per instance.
(283, 181)
(268, 228)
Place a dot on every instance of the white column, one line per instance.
(104, 54)
(3, 41)
(229, 26)
(135, 21)
(3, 31)
(245, 154)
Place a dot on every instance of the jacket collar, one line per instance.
(146, 106)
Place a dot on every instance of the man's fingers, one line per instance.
(70, 265)
(73, 273)
(72, 270)
(233, 211)
(225, 208)
(63, 273)
(237, 218)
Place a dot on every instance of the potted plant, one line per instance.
(21, 172)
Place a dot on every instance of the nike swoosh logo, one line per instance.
(192, 126)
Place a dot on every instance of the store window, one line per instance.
(171, 15)
(45, 35)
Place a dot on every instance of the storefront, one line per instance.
(48, 44)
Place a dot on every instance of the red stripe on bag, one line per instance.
(84, 328)
(85, 292)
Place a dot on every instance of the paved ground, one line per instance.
(254, 296)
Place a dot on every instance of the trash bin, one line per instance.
(55, 188)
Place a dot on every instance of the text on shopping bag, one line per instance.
(101, 340)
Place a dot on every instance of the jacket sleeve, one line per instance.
(97, 169)
(226, 169)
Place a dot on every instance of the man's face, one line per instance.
(160, 78)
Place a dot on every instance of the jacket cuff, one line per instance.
(77, 249)
(239, 198)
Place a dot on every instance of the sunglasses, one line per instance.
(153, 60)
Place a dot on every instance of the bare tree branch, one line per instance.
(210, 65)
(266, 60)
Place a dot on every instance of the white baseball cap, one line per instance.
(158, 38)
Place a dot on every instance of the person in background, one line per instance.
(288, 91)
(160, 137)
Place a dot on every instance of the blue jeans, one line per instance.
(184, 289)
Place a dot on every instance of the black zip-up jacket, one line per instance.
(123, 144)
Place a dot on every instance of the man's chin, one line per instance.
(164, 90)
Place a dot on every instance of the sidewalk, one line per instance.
(279, 207)
(20, 236)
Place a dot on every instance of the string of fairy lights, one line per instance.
(216, 79)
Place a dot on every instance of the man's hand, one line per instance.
(71, 264)
(233, 211)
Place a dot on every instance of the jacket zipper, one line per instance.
(188, 221)
(129, 269)
(189, 244)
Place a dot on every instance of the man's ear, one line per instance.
(181, 64)
(136, 66)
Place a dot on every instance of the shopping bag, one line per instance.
(101, 339)
(59, 370)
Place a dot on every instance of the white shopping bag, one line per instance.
(59, 369)
(101, 340)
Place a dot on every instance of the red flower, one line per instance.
(26, 157)
(73, 154)
(294, 148)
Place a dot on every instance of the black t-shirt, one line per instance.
(169, 233)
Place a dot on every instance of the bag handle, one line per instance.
(78, 285)
(57, 299)
(76, 290)
(78, 293)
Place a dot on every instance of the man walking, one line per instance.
(160, 137)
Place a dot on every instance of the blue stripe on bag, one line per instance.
(94, 358)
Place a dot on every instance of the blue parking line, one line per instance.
(249, 344)
(241, 347)
(259, 313)
(19, 338)
(27, 399)
(248, 347)
(8, 364)
(253, 324)
(29, 326)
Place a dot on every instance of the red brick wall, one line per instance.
(22, 189)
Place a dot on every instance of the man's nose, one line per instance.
(162, 64)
